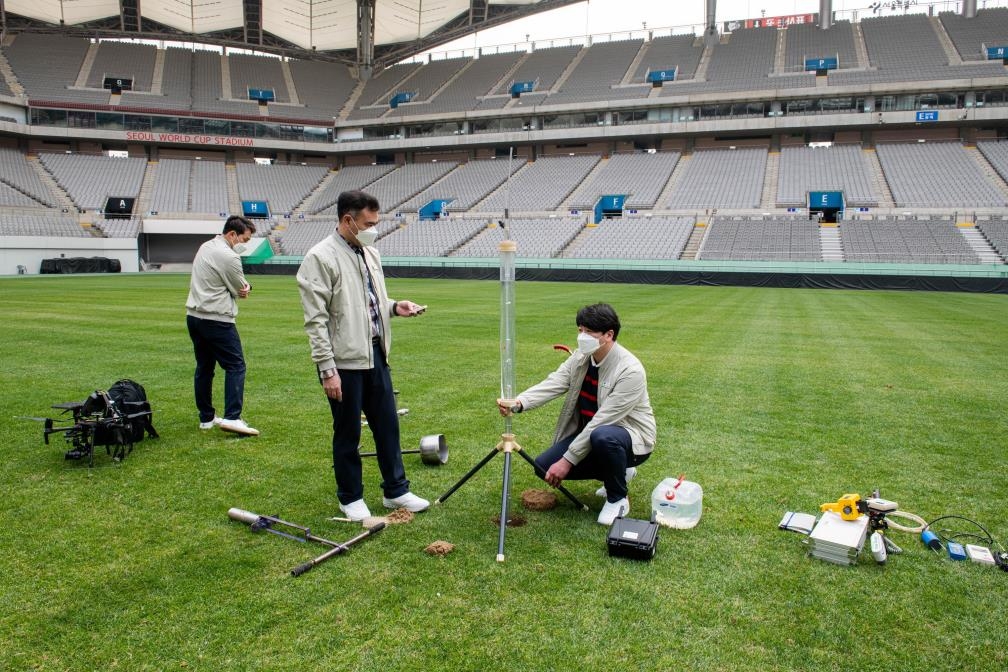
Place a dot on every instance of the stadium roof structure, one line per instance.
(357, 32)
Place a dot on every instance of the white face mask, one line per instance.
(239, 248)
(366, 237)
(587, 344)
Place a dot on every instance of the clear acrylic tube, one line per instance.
(507, 249)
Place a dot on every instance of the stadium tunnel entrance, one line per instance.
(827, 206)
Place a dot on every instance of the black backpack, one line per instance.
(130, 399)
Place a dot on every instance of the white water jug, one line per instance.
(677, 503)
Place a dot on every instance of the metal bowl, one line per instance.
(434, 450)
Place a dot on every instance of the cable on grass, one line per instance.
(946, 534)
(921, 523)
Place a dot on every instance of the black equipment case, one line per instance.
(633, 538)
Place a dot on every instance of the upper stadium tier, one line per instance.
(762, 65)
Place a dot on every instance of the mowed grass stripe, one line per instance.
(772, 399)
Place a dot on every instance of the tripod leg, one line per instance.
(567, 493)
(465, 478)
(505, 488)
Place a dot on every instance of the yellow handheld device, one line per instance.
(848, 506)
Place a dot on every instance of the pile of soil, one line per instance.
(401, 515)
(538, 500)
(440, 548)
(513, 521)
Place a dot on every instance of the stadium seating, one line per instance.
(937, 175)
(997, 154)
(176, 83)
(989, 26)
(537, 238)
(475, 81)
(323, 103)
(374, 98)
(466, 185)
(407, 181)
(323, 200)
(49, 78)
(638, 238)
(540, 185)
(90, 180)
(123, 59)
(256, 72)
(543, 66)
(995, 229)
(673, 51)
(42, 224)
(18, 175)
(283, 187)
(902, 48)
(837, 168)
(808, 40)
(597, 75)
(721, 178)
(119, 228)
(900, 239)
(429, 238)
(640, 177)
(182, 186)
(563, 125)
(757, 238)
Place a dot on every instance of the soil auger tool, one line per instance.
(257, 523)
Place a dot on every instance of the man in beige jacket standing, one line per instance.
(216, 284)
(347, 315)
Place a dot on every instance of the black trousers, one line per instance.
(368, 391)
(611, 453)
(216, 342)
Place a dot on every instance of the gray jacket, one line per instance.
(333, 285)
(217, 277)
(622, 400)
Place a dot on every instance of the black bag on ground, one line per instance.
(130, 398)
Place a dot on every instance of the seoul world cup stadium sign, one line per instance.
(190, 139)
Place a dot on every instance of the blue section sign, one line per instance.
(927, 115)
(266, 95)
(435, 209)
(826, 63)
(403, 97)
(611, 204)
(668, 75)
(999, 53)
(519, 88)
(255, 209)
(825, 200)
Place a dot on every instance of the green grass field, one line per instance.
(772, 400)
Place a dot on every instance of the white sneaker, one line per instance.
(210, 425)
(630, 473)
(613, 510)
(238, 427)
(409, 501)
(356, 511)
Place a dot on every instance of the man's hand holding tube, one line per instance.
(556, 473)
(509, 406)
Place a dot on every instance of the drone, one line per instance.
(99, 420)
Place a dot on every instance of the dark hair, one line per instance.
(353, 202)
(599, 317)
(238, 224)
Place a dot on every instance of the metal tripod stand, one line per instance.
(507, 443)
